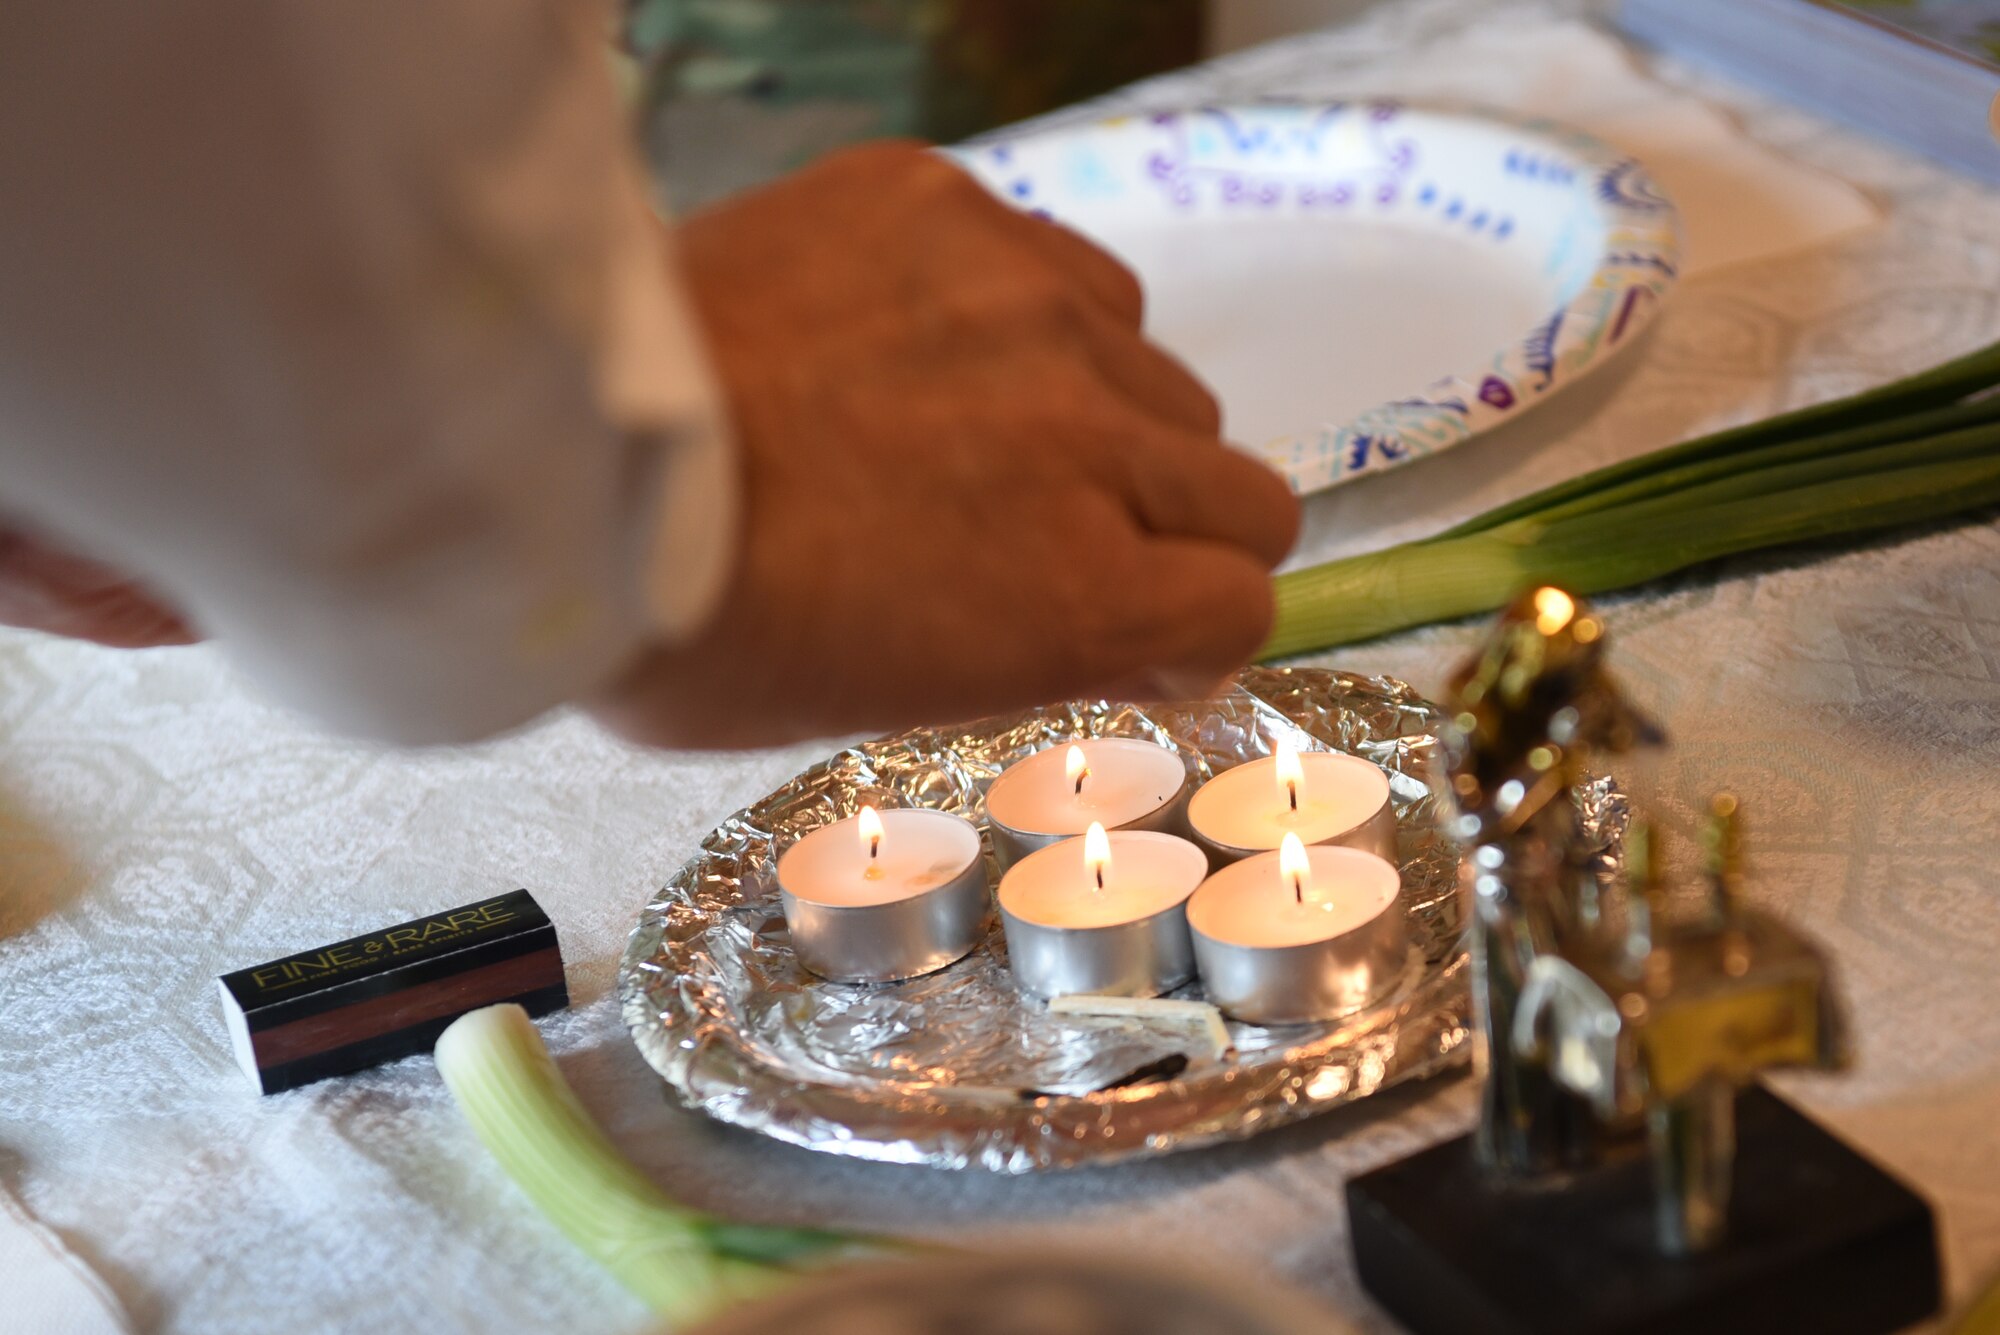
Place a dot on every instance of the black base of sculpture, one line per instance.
(1821, 1240)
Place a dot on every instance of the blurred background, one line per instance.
(733, 92)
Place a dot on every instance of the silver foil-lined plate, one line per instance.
(959, 1069)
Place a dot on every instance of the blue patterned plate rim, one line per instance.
(1615, 243)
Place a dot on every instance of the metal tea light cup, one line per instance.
(884, 943)
(1010, 844)
(1307, 982)
(1142, 957)
(1132, 959)
(1374, 833)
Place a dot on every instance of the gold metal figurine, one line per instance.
(1600, 1015)
(1621, 1029)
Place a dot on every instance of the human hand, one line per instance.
(43, 587)
(971, 484)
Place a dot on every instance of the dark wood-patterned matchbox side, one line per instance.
(388, 994)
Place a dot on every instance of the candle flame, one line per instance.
(1553, 609)
(871, 832)
(1077, 766)
(1295, 866)
(1097, 852)
(1291, 775)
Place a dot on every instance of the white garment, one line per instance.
(49, 1290)
(348, 327)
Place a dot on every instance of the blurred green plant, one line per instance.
(782, 51)
(784, 80)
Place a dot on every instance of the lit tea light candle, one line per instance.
(1059, 792)
(884, 895)
(1299, 934)
(1105, 913)
(1322, 797)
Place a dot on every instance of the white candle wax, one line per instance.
(1247, 807)
(1124, 780)
(1148, 874)
(919, 851)
(1254, 902)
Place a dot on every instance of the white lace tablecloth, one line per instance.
(158, 826)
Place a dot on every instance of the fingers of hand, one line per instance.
(1193, 613)
(1177, 485)
(1194, 488)
(45, 589)
(1112, 288)
(1110, 310)
(1148, 376)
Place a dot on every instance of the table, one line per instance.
(159, 825)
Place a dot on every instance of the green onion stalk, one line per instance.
(682, 1263)
(1919, 449)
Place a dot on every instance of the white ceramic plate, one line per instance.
(1361, 283)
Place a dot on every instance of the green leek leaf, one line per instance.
(1418, 583)
(682, 1263)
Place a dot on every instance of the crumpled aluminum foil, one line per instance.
(959, 1069)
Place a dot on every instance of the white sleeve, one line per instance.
(347, 326)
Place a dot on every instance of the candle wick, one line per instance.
(1079, 782)
(874, 847)
(1298, 889)
(1100, 878)
(1293, 790)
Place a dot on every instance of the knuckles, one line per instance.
(906, 171)
(990, 252)
(918, 333)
